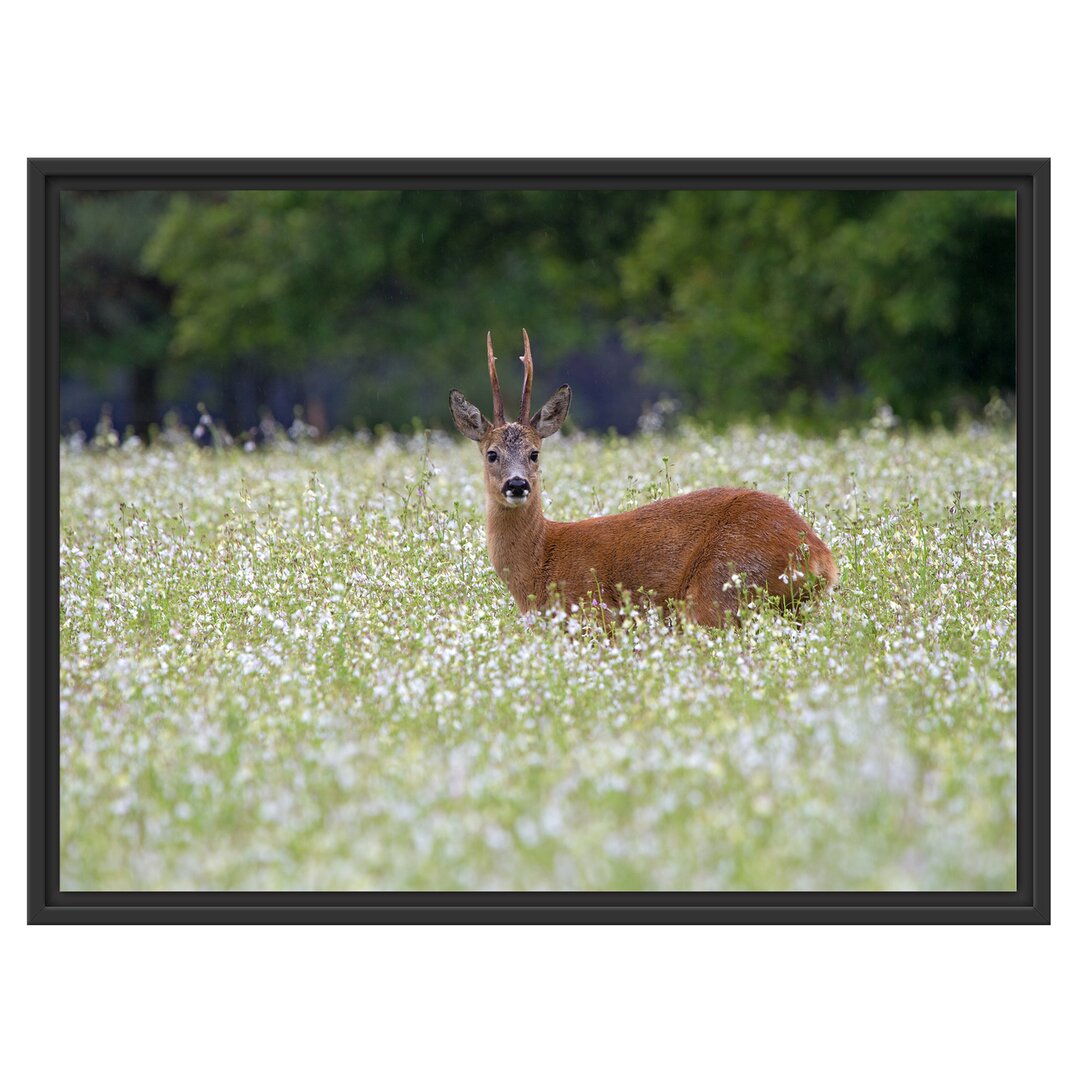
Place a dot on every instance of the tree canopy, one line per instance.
(797, 303)
(800, 304)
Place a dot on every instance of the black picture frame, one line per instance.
(1030, 903)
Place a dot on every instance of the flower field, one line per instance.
(294, 668)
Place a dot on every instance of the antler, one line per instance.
(496, 393)
(526, 390)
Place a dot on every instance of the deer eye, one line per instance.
(492, 456)
(535, 455)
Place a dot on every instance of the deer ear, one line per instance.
(552, 416)
(467, 417)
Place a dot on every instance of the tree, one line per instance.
(805, 303)
(114, 315)
(395, 288)
(811, 305)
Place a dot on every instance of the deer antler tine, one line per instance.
(526, 390)
(496, 393)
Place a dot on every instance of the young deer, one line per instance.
(701, 549)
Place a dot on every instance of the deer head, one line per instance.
(511, 450)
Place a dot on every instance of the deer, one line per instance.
(700, 553)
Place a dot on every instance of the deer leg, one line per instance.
(708, 602)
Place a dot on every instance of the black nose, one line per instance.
(516, 487)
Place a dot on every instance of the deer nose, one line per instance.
(516, 487)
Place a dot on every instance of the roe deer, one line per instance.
(700, 549)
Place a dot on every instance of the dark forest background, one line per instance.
(364, 308)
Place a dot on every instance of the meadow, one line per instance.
(294, 668)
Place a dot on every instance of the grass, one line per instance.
(295, 669)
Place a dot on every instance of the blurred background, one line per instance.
(361, 309)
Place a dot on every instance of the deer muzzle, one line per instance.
(516, 490)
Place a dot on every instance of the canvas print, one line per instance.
(538, 540)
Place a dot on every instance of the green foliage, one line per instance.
(813, 306)
(401, 284)
(766, 303)
(113, 314)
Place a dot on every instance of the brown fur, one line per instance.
(703, 550)
(682, 549)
